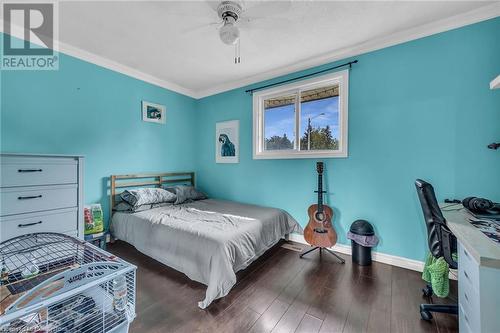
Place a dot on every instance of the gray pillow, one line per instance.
(124, 206)
(146, 196)
(186, 193)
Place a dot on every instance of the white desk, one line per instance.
(478, 274)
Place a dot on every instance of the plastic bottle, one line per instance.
(120, 293)
(4, 273)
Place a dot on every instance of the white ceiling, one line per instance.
(162, 41)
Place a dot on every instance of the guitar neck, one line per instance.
(320, 192)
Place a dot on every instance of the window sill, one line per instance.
(301, 155)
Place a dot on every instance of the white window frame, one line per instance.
(341, 78)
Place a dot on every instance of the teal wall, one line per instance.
(419, 109)
(86, 109)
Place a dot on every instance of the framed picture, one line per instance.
(154, 113)
(227, 142)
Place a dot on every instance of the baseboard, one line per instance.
(384, 258)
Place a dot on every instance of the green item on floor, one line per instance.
(436, 273)
(94, 222)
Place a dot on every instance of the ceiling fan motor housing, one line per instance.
(229, 9)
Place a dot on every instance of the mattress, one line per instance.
(208, 240)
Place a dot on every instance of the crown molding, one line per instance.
(120, 68)
(95, 59)
(453, 22)
(477, 15)
(495, 83)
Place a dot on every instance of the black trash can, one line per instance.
(362, 255)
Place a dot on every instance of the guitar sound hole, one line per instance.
(320, 216)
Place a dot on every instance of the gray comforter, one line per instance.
(208, 240)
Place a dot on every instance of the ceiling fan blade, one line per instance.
(213, 4)
(200, 27)
(267, 8)
(263, 23)
(188, 9)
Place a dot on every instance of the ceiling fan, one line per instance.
(233, 16)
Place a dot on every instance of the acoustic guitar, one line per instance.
(319, 231)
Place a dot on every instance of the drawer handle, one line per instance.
(466, 275)
(25, 225)
(466, 297)
(30, 197)
(466, 254)
(29, 170)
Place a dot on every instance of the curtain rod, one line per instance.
(301, 77)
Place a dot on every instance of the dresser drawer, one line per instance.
(469, 289)
(27, 171)
(468, 268)
(463, 325)
(464, 322)
(469, 302)
(62, 221)
(468, 295)
(20, 200)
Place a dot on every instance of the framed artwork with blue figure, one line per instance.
(227, 142)
(154, 113)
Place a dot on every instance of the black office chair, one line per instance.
(442, 243)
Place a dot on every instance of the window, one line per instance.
(306, 119)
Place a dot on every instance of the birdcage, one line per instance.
(52, 282)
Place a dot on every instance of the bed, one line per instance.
(207, 240)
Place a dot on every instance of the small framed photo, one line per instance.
(154, 113)
(227, 142)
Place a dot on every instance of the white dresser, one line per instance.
(478, 276)
(41, 193)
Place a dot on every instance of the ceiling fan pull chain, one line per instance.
(238, 50)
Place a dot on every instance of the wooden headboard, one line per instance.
(119, 183)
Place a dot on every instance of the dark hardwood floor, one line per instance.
(282, 293)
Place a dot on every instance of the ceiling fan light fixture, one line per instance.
(229, 33)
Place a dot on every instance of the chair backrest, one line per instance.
(434, 219)
(442, 242)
